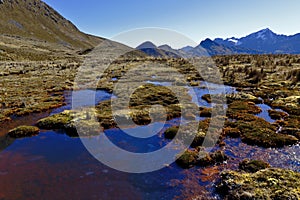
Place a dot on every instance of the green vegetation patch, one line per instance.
(262, 133)
(277, 115)
(264, 184)
(237, 108)
(23, 131)
(252, 166)
(257, 131)
(201, 158)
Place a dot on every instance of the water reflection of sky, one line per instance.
(208, 88)
(82, 98)
(55, 166)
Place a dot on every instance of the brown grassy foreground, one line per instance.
(28, 87)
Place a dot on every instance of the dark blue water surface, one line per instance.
(82, 98)
(55, 166)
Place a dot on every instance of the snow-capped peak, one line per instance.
(264, 34)
(234, 40)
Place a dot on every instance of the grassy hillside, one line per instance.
(35, 19)
(30, 29)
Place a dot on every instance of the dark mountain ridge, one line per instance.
(264, 41)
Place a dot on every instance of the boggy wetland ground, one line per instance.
(254, 154)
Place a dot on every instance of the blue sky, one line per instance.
(197, 19)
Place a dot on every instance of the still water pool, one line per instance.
(55, 166)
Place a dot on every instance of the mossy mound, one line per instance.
(150, 94)
(171, 132)
(257, 131)
(188, 159)
(140, 115)
(264, 184)
(242, 96)
(188, 132)
(237, 108)
(205, 112)
(205, 159)
(289, 104)
(214, 98)
(198, 140)
(265, 137)
(24, 131)
(277, 115)
(252, 166)
(262, 133)
(290, 126)
(198, 137)
(83, 128)
(206, 98)
(232, 132)
(146, 104)
(201, 158)
(57, 121)
(73, 122)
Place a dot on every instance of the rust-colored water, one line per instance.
(55, 166)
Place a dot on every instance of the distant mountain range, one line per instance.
(162, 51)
(30, 29)
(262, 42)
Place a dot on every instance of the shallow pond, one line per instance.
(55, 166)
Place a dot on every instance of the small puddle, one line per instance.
(208, 88)
(160, 83)
(84, 98)
(265, 114)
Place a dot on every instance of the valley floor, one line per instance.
(263, 115)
